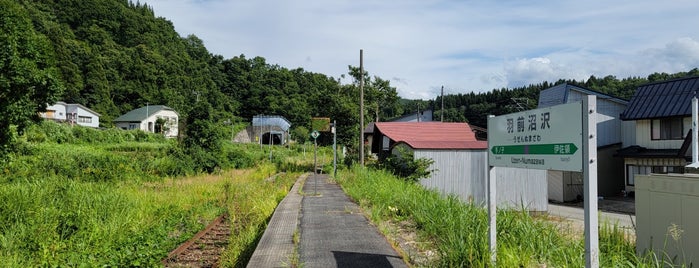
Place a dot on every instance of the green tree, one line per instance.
(28, 79)
(203, 138)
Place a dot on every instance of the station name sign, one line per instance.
(546, 138)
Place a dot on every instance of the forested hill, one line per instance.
(116, 55)
(474, 108)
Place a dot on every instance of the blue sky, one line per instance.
(465, 46)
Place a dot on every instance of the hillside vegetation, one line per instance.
(116, 55)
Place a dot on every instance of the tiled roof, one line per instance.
(432, 135)
(671, 98)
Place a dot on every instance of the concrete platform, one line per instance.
(276, 246)
(333, 232)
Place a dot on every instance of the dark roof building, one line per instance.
(662, 99)
(562, 93)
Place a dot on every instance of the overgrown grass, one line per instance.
(459, 231)
(252, 203)
(90, 198)
(61, 222)
(49, 131)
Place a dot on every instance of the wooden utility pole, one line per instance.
(442, 113)
(361, 107)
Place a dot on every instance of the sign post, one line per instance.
(590, 181)
(561, 137)
(315, 136)
(334, 131)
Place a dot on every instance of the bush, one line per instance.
(403, 164)
(50, 131)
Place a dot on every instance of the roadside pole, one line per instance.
(590, 183)
(315, 166)
(492, 218)
(492, 213)
(315, 135)
(334, 130)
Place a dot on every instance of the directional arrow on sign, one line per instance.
(541, 149)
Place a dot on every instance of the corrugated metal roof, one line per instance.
(671, 98)
(271, 120)
(559, 95)
(431, 135)
(140, 114)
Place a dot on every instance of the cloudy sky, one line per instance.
(465, 46)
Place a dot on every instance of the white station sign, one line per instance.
(546, 138)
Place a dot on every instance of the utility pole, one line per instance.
(334, 129)
(361, 107)
(442, 113)
(418, 112)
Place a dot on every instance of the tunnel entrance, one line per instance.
(276, 138)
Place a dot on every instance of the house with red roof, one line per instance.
(460, 163)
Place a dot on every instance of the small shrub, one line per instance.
(403, 164)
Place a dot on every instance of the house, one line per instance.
(612, 134)
(151, 118)
(663, 118)
(73, 113)
(460, 163)
(421, 116)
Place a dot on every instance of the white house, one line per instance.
(147, 119)
(461, 163)
(73, 113)
(612, 134)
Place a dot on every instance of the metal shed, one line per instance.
(460, 163)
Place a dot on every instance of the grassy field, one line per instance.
(457, 232)
(83, 197)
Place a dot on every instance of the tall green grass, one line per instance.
(459, 230)
(61, 222)
(252, 202)
(73, 196)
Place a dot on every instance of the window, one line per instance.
(667, 129)
(632, 171)
(666, 170)
(84, 119)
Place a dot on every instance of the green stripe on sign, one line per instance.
(545, 149)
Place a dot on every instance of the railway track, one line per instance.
(203, 249)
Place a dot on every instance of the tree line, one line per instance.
(116, 55)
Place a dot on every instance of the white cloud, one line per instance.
(463, 45)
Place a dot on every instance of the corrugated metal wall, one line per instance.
(463, 172)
